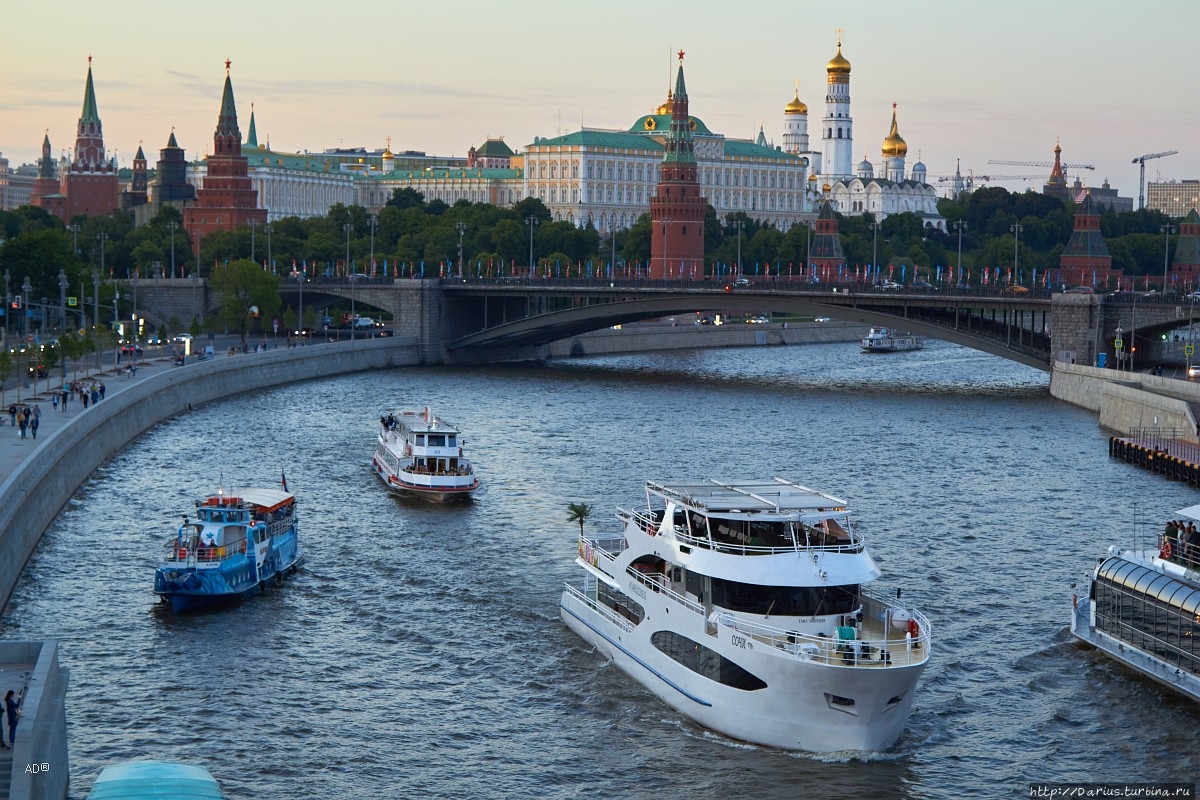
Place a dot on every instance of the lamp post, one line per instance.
(62, 301)
(612, 270)
(172, 226)
(532, 222)
(96, 311)
(960, 226)
(740, 223)
(197, 275)
(74, 229)
(7, 304)
(373, 221)
(461, 227)
(270, 260)
(1133, 334)
(1119, 347)
(26, 289)
(875, 248)
(811, 224)
(348, 227)
(135, 314)
(1016, 231)
(253, 228)
(102, 238)
(1166, 230)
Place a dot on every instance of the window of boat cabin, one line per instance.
(437, 440)
(792, 601)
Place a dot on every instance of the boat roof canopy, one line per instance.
(1191, 512)
(146, 780)
(1151, 583)
(265, 499)
(776, 496)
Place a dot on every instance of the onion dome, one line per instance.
(865, 168)
(894, 145)
(796, 106)
(838, 64)
(812, 177)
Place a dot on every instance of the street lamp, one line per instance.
(74, 229)
(26, 290)
(373, 221)
(461, 227)
(1133, 334)
(532, 222)
(7, 305)
(875, 248)
(960, 226)
(811, 224)
(739, 224)
(348, 227)
(1119, 347)
(172, 226)
(270, 260)
(1016, 231)
(102, 238)
(135, 314)
(253, 228)
(666, 222)
(1166, 230)
(62, 301)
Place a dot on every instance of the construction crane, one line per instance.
(1141, 162)
(1041, 164)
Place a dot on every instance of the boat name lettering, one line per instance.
(739, 641)
(639, 591)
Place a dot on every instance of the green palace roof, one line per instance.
(661, 123)
(495, 148)
(448, 173)
(741, 147)
(591, 138)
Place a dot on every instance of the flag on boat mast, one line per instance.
(283, 478)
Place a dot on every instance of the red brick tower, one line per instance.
(1185, 267)
(827, 256)
(90, 182)
(227, 199)
(677, 208)
(1086, 260)
(47, 179)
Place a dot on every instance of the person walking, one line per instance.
(54, 401)
(34, 421)
(14, 713)
(22, 422)
(12, 415)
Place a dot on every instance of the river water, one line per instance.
(419, 652)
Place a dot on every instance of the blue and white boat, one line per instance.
(236, 544)
(155, 780)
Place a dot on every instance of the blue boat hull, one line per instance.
(189, 588)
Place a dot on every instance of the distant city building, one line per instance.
(1173, 198)
(1104, 197)
(492, 154)
(1056, 185)
(226, 199)
(677, 208)
(16, 185)
(1085, 260)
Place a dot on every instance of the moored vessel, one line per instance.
(889, 340)
(421, 454)
(237, 543)
(1142, 607)
(155, 780)
(741, 605)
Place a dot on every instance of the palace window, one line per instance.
(554, 170)
(575, 170)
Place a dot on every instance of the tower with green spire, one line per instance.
(226, 199)
(89, 183)
(677, 208)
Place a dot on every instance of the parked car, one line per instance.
(128, 350)
(1081, 290)
(820, 319)
(891, 286)
(922, 285)
(742, 281)
(1015, 290)
(183, 338)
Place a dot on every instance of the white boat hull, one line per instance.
(793, 712)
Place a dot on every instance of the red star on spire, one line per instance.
(681, 55)
(893, 106)
(227, 63)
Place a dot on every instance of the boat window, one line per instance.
(420, 440)
(621, 603)
(703, 661)
(792, 601)
(437, 440)
(1150, 611)
(452, 441)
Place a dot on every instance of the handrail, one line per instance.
(655, 586)
(650, 525)
(206, 554)
(604, 611)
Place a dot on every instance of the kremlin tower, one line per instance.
(827, 256)
(1056, 184)
(46, 185)
(227, 199)
(1086, 260)
(89, 182)
(677, 208)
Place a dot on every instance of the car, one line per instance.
(183, 338)
(922, 285)
(891, 286)
(358, 277)
(759, 320)
(153, 340)
(131, 350)
(820, 319)
(1016, 290)
(1194, 371)
(1194, 296)
(742, 282)
(1152, 294)
(1081, 290)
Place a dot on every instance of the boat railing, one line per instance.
(591, 549)
(182, 554)
(601, 609)
(894, 650)
(850, 542)
(1175, 550)
(657, 582)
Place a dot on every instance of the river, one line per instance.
(419, 652)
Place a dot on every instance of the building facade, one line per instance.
(1173, 198)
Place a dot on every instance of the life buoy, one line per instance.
(1166, 549)
(183, 554)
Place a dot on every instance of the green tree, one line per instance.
(7, 366)
(51, 357)
(578, 512)
(242, 287)
(71, 345)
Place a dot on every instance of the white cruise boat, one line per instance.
(889, 340)
(740, 604)
(420, 454)
(1143, 609)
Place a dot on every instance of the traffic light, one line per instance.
(16, 301)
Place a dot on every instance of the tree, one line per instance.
(579, 512)
(6, 371)
(244, 288)
(72, 347)
(50, 359)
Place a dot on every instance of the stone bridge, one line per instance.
(496, 319)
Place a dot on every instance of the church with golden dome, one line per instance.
(890, 189)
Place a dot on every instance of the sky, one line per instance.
(972, 81)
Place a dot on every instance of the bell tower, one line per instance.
(677, 208)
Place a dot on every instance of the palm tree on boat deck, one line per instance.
(579, 513)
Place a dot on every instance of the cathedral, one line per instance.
(883, 191)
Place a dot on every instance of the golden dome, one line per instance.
(796, 106)
(827, 188)
(812, 177)
(894, 145)
(838, 63)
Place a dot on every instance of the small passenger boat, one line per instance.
(743, 606)
(155, 780)
(236, 544)
(889, 340)
(1142, 608)
(421, 454)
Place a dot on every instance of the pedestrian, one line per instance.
(101, 390)
(84, 397)
(14, 713)
(12, 415)
(95, 394)
(33, 426)
(22, 424)
(66, 394)
(54, 401)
